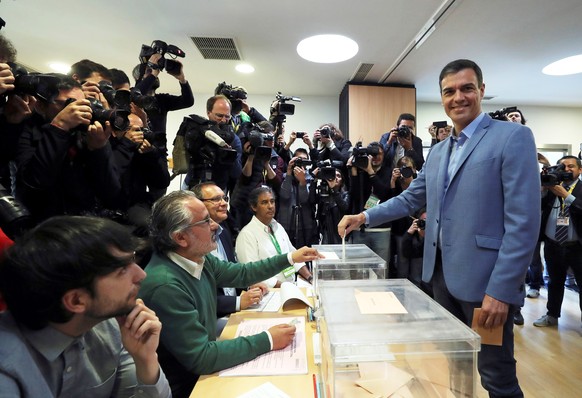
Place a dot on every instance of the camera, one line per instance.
(554, 175)
(361, 154)
(42, 86)
(14, 217)
(326, 132)
(117, 118)
(421, 224)
(327, 169)
(440, 125)
(234, 94)
(280, 109)
(257, 137)
(406, 172)
(404, 132)
(119, 99)
(500, 114)
(300, 134)
(160, 47)
(300, 162)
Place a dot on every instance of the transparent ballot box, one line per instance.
(358, 262)
(388, 338)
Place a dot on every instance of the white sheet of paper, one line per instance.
(267, 390)
(329, 255)
(290, 360)
(379, 303)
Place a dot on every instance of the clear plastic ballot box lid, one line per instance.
(358, 262)
(353, 336)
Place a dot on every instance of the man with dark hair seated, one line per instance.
(74, 326)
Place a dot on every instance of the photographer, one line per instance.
(241, 111)
(439, 132)
(266, 168)
(148, 82)
(296, 212)
(401, 141)
(208, 149)
(562, 229)
(64, 158)
(369, 186)
(330, 143)
(331, 197)
(402, 176)
(413, 251)
(89, 74)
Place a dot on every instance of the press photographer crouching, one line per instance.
(208, 149)
(64, 157)
(369, 186)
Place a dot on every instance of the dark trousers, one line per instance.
(558, 259)
(496, 364)
(535, 270)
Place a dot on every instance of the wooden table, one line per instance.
(296, 386)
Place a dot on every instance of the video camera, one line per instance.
(257, 137)
(327, 169)
(501, 113)
(234, 94)
(300, 162)
(42, 86)
(280, 108)
(14, 217)
(554, 175)
(160, 47)
(361, 154)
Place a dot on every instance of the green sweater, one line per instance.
(186, 307)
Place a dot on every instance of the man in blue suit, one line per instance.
(481, 188)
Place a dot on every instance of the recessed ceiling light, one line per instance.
(245, 68)
(565, 66)
(60, 67)
(327, 49)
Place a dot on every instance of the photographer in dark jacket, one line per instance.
(413, 252)
(330, 143)
(369, 186)
(64, 158)
(401, 141)
(148, 83)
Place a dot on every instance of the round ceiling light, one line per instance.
(245, 68)
(327, 49)
(565, 66)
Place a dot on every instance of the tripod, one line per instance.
(298, 223)
(327, 222)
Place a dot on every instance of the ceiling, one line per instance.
(512, 40)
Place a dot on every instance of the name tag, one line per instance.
(563, 221)
(289, 271)
(371, 202)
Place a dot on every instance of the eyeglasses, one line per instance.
(206, 220)
(216, 200)
(222, 116)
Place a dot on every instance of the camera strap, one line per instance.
(289, 271)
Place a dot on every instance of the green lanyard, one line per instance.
(289, 271)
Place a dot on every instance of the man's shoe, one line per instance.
(533, 293)
(546, 320)
(518, 318)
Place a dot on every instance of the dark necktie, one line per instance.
(562, 230)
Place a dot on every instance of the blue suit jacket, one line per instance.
(489, 214)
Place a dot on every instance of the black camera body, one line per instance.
(300, 162)
(327, 169)
(554, 175)
(326, 132)
(404, 132)
(42, 86)
(440, 125)
(202, 150)
(501, 113)
(234, 94)
(361, 154)
(280, 109)
(117, 118)
(421, 224)
(300, 134)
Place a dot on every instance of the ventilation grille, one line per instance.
(362, 72)
(216, 48)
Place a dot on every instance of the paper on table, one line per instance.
(273, 301)
(290, 360)
(267, 390)
(488, 336)
(379, 303)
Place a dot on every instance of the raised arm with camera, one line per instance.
(401, 141)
